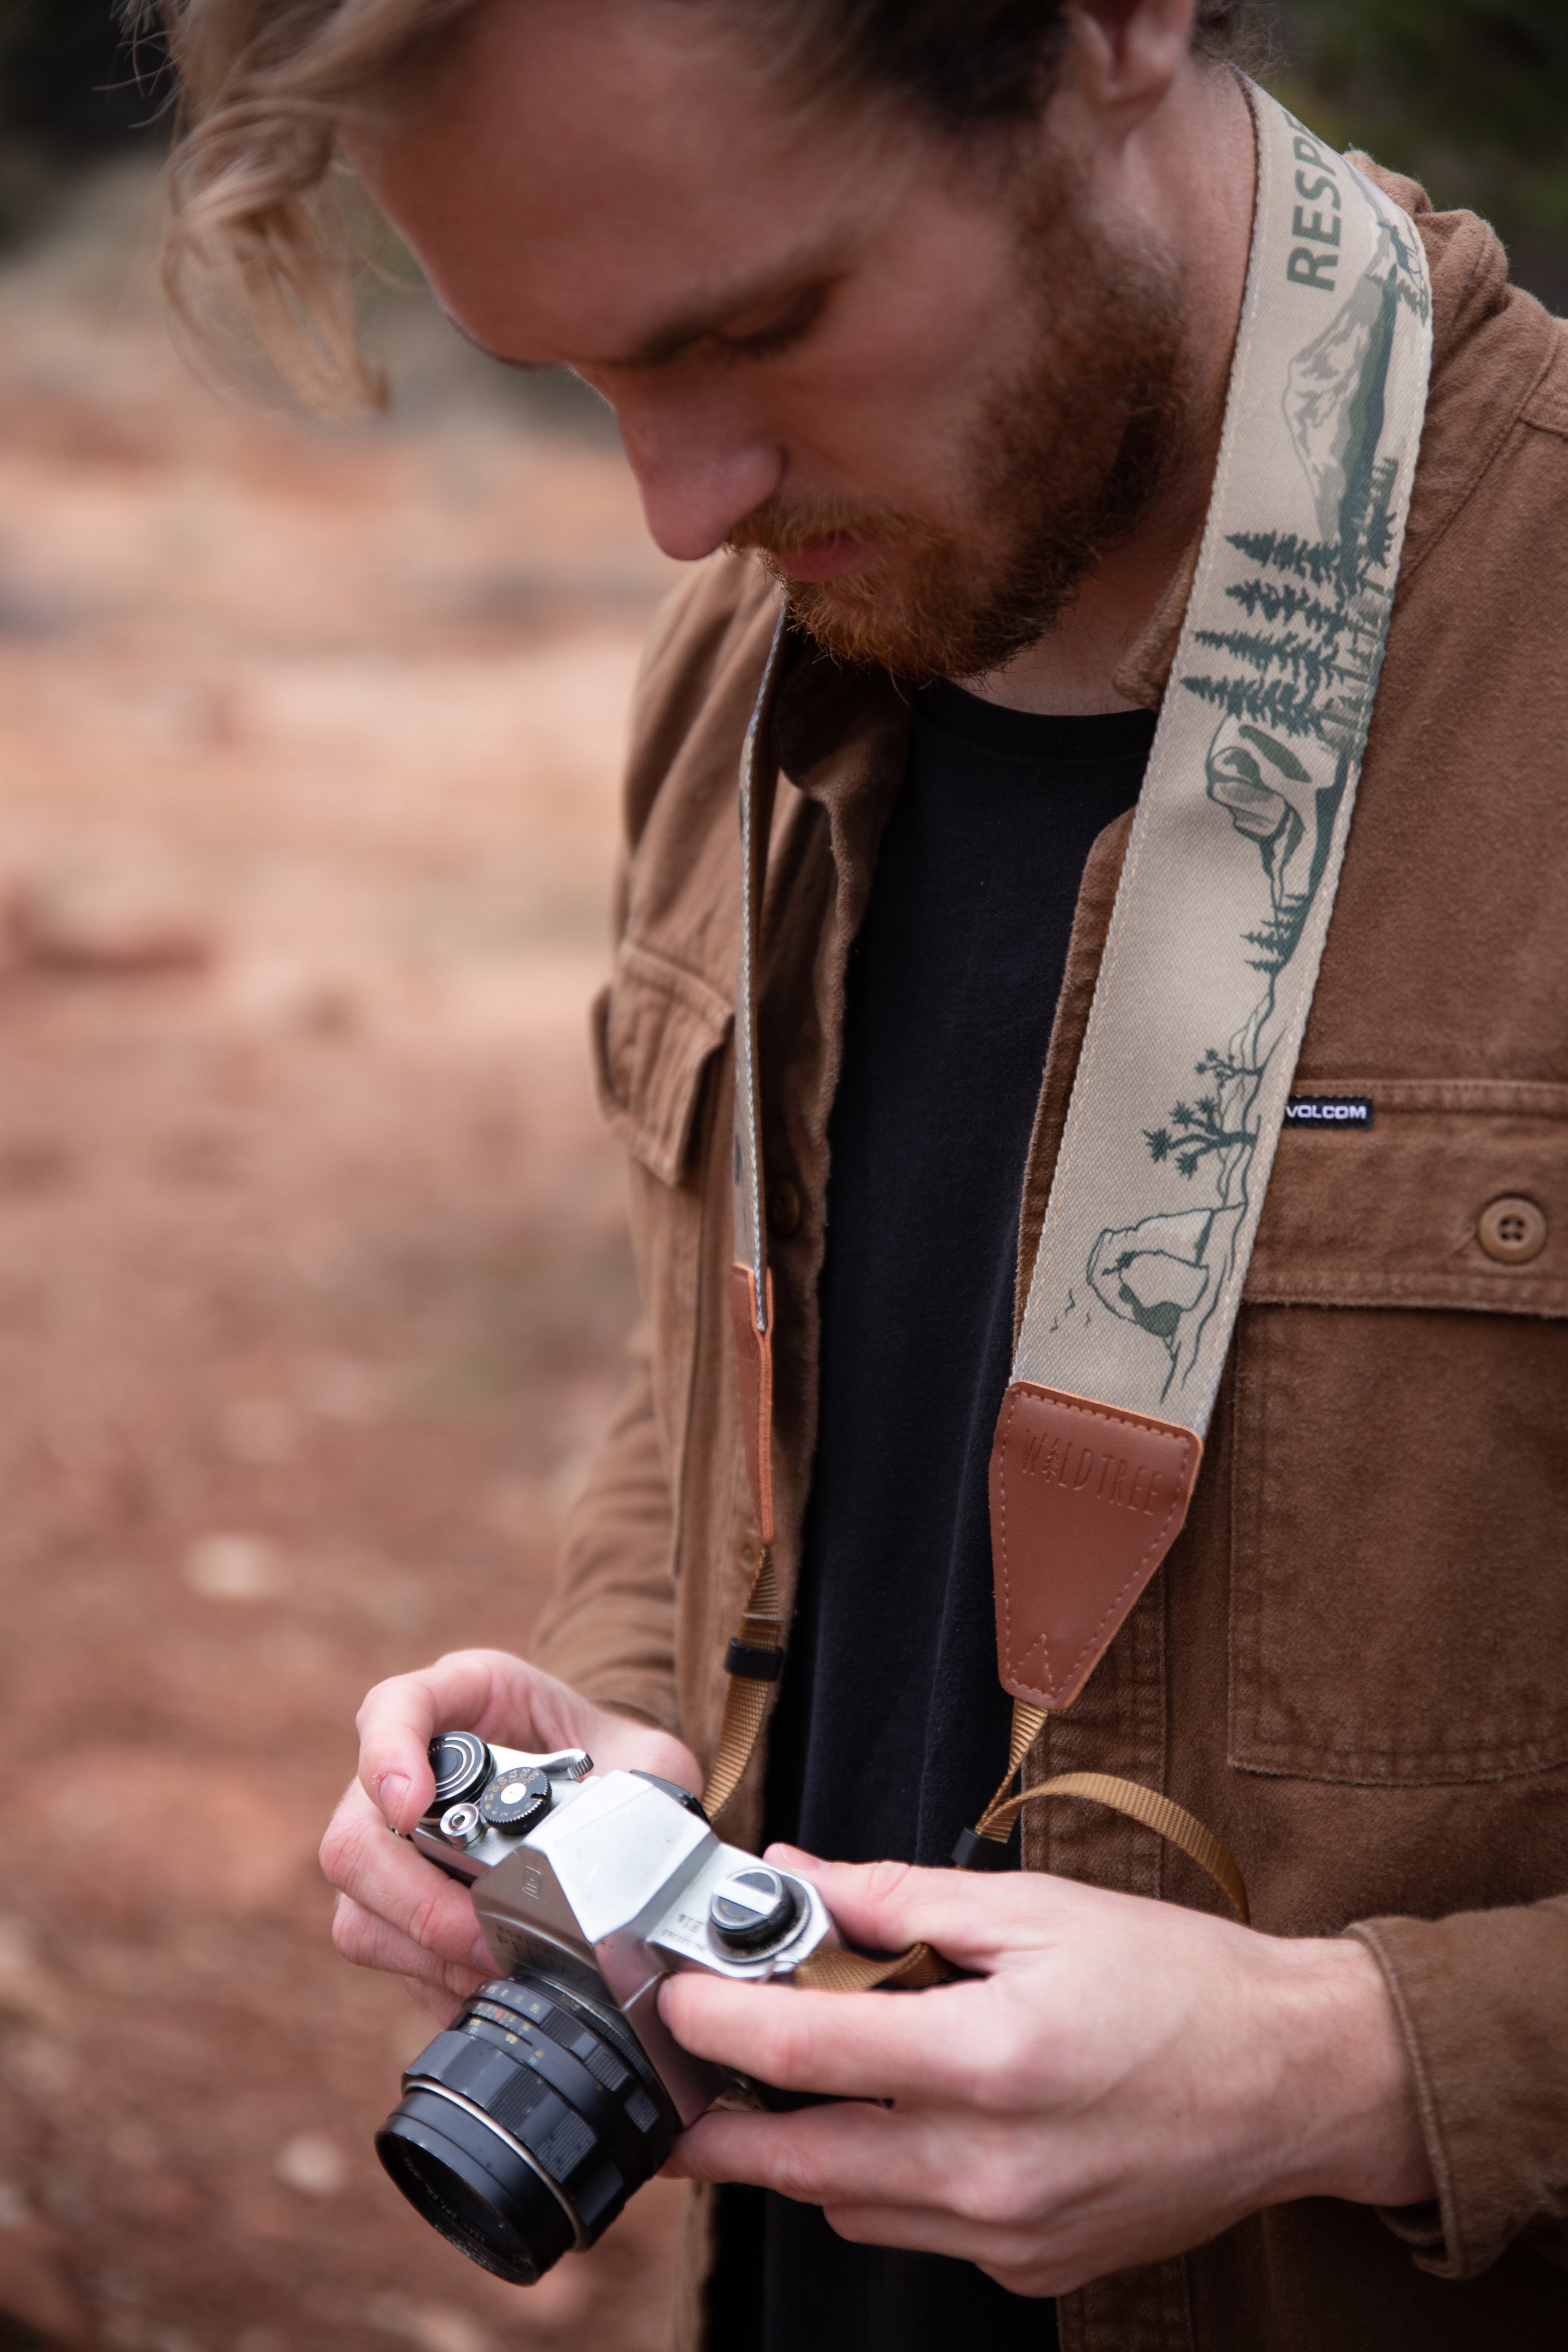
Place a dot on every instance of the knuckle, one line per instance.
(348, 1930)
(425, 1915)
(992, 2191)
(886, 1881)
(371, 1705)
(784, 2046)
(857, 2224)
(1000, 2079)
(794, 2174)
(341, 1850)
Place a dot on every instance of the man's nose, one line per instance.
(700, 471)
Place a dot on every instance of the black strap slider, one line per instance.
(973, 1851)
(755, 1663)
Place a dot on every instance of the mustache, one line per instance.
(788, 526)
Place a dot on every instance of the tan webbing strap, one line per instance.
(746, 1700)
(850, 1972)
(1028, 1723)
(911, 1971)
(1146, 1806)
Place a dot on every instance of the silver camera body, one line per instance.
(558, 2089)
(614, 1886)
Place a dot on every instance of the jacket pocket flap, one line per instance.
(1390, 1215)
(656, 1028)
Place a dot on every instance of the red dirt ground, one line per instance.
(313, 1269)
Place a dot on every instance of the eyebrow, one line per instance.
(667, 341)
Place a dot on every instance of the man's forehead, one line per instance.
(591, 185)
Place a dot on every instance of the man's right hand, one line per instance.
(397, 1911)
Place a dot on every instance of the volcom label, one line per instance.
(1328, 1111)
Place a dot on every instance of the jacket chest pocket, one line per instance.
(1399, 1553)
(655, 1029)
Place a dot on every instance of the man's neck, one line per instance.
(1070, 671)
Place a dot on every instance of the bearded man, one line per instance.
(924, 322)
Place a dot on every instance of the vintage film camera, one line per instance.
(525, 2127)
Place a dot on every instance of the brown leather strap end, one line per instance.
(1086, 1501)
(754, 1365)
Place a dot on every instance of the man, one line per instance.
(934, 307)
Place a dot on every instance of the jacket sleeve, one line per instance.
(1482, 1997)
(609, 1628)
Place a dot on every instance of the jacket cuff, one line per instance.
(1479, 1998)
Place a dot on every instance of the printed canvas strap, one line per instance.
(1209, 963)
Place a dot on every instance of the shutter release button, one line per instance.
(751, 1909)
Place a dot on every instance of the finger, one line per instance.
(442, 2006)
(502, 1698)
(487, 1691)
(1011, 2257)
(979, 1922)
(936, 2047)
(390, 1879)
(628, 1743)
(370, 1943)
(915, 2180)
(852, 2154)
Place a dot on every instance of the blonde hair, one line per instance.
(256, 222)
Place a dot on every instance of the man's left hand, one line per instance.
(1124, 2080)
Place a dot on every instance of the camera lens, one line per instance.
(525, 2127)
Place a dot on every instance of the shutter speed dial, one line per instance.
(752, 1910)
(516, 1800)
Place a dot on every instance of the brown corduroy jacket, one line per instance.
(1355, 1664)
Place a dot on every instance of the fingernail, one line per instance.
(389, 1790)
(794, 1857)
(479, 1958)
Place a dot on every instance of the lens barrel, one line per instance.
(525, 2127)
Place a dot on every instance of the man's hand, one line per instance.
(397, 1911)
(1127, 2079)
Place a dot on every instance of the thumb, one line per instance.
(883, 1906)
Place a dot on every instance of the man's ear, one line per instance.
(1122, 56)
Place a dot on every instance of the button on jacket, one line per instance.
(1353, 1665)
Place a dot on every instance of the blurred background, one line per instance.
(312, 1270)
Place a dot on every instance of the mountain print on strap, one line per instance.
(1224, 902)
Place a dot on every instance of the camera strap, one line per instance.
(1204, 985)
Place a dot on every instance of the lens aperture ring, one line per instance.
(607, 2047)
(565, 2074)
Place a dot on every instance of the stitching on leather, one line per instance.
(1016, 1670)
(1046, 1695)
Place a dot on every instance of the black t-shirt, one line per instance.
(892, 1727)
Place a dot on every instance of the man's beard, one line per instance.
(1068, 458)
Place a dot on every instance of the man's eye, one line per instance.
(774, 334)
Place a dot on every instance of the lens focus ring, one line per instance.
(521, 2073)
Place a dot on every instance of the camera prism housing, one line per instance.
(559, 2090)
